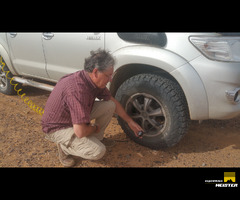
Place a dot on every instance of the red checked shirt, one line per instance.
(71, 102)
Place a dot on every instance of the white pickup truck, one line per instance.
(161, 79)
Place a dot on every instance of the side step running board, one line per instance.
(32, 83)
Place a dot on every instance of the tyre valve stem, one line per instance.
(140, 133)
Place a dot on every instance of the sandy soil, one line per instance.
(213, 143)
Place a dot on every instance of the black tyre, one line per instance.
(158, 105)
(5, 77)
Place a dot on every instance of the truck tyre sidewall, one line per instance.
(161, 94)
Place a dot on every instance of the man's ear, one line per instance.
(95, 72)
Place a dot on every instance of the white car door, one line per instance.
(65, 52)
(26, 52)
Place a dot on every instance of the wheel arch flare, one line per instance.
(132, 61)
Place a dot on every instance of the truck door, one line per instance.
(65, 52)
(27, 54)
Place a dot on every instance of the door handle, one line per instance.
(13, 34)
(47, 35)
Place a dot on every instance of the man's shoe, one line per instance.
(66, 160)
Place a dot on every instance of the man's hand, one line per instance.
(135, 127)
(122, 113)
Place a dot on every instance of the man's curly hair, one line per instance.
(99, 59)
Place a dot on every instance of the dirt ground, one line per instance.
(213, 143)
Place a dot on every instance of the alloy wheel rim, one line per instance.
(148, 112)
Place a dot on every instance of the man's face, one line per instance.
(102, 78)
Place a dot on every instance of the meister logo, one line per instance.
(229, 180)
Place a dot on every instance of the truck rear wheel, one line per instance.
(158, 105)
(5, 77)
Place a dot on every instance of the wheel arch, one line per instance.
(127, 71)
(171, 66)
(133, 60)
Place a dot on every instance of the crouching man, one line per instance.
(71, 106)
